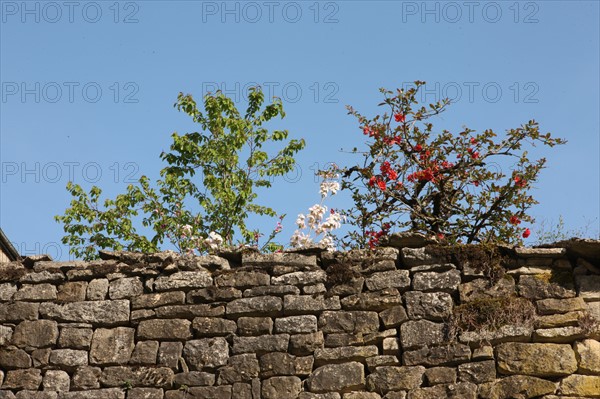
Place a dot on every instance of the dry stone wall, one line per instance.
(399, 322)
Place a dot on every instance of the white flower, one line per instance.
(328, 242)
(329, 187)
(187, 229)
(300, 240)
(300, 221)
(213, 240)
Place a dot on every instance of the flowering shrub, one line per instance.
(314, 221)
(232, 162)
(437, 182)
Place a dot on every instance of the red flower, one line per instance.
(469, 150)
(399, 117)
(384, 167)
(441, 236)
(520, 182)
(526, 233)
(392, 175)
(381, 185)
(515, 220)
(473, 141)
(475, 155)
(399, 185)
(476, 183)
(372, 181)
(418, 147)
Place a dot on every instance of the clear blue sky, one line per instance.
(88, 88)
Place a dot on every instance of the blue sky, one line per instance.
(88, 89)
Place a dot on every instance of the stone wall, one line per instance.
(400, 322)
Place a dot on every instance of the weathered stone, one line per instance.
(462, 390)
(241, 390)
(516, 386)
(240, 368)
(329, 395)
(350, 322)
(158, 299)
(477, 372)
(171, 329)
(352, 287)
(559, 335)
(507, 333)
(306, 344)
(194, 378)
(391, 346)
(18, 311)
(14, 358)
(581, 385)
(588, 356)
(5, 335)
(530, 269)
(540, 252)
(543, 286)
(221, 392)
(391, 279)
(419, 256)
(107, 393)
(393, 316)
(376, 300)
(588, 287)
(56, 380)
(480, 289)
(420, 333)
(34, 395)
(86, 378)
(551, 305)
(35, 334)
(7, 395)
(261, 345)
(362, 395)
(156, 377)
(208, 352)
(483, 352)
(97, 312)
(169, 354)
(272, 290)
(438, 355)
(300, 278)
(281, 388)
(41, 357)
(278, 258)
(558, 320)
(112, 346)
(213, 326)
(344, 377)
(190, 311)
(189, 279)
(141, 314)
(307, 304)
(436, 267)
(278, 363)
(296, 324)
(314, 289)
(378, 361)
(145, 393)
(36, 292)
(435, 281)
(144, 353)
(213, 294)
(68, 358)
(254, 325)
(7, 290)
(440, 375)
(242, 279)
(29, 379)
(72, 291)
(539, 360)
(255, 306)
(75, 338)
(97, 289)
(344, 354)
(390, 378)
(428, 305)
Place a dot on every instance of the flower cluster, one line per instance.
(375, 236)
(315, 220)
